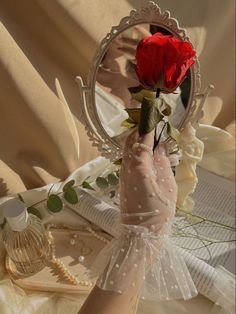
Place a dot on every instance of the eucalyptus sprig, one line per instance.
(54, 201)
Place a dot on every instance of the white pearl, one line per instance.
(152, 227)
(135, 265)
(161, 168)
(129, 171)
(122, 250)
(81, 259)
(140, 218)
(139, 206)
(135, 188)
(157, 210)
(170, 190)
(162, 180)
(152, 194)
(117, 266)
(111, 282)
(124, 274)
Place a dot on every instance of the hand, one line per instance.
(124, 45)
(147, 180)
(117, 71)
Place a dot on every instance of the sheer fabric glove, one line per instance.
(143, 257)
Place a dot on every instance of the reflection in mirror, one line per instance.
(116, 74)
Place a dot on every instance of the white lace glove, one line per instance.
(143, 257)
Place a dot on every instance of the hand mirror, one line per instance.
(106, 95)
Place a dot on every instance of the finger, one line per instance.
(159, 152)
(128, 51)
(130, 140)
(161, 162)
(147, 139)
(140, 29)
(134, 137)
(165, 177)
(130, 41)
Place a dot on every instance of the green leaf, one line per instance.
(68, 185)
(163, 107)
(71, 196)
(134, 114)
(167, 110)
(112, 179)
(34, 211)
(173, 132)
(87, 185)
(102, 183)
(128, 123)
(20, 198)
(54, 203)
(150, 116)
(138, 93)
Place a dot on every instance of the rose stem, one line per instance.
(155, 135)
(158, 92)
(156, 142)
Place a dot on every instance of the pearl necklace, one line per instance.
(99, 237)
(56, 263)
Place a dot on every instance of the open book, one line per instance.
(210, 240)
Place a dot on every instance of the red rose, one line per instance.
(162, 61)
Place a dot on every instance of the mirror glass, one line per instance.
(116, 73)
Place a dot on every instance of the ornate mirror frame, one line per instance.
(152, 14)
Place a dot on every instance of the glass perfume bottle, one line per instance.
(25, 239)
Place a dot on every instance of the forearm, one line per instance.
(108, 302)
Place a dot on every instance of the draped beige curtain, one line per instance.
(41, 139)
